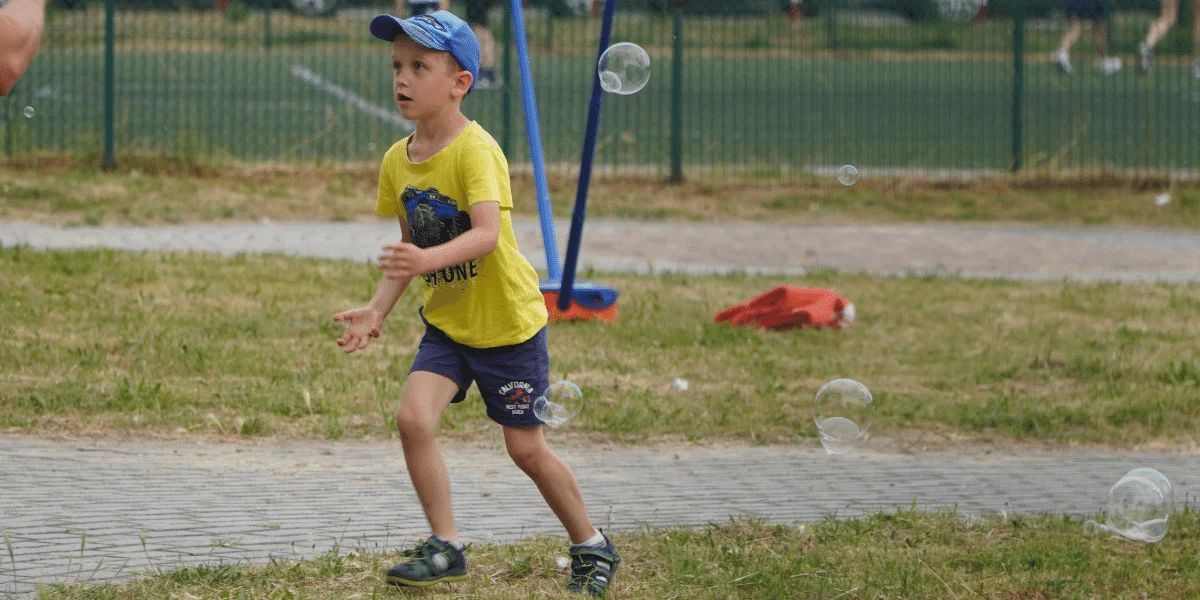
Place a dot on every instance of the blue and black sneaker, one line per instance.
(592, 567)
(433, 561)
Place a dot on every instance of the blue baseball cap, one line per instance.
(441, 31)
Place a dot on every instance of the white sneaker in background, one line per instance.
(1062, 58)
(1143, 59)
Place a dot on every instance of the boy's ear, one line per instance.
(462, 84)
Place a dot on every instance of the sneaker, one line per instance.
(1144, 54)
(1062, 58)
(592, 568)
(433, 561)
(1196, 68)
(1109, 65)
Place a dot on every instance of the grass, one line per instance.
(892, 555)
(103, 342)
(151, 192)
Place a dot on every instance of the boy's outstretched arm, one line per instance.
(365, 321)
(406, 260)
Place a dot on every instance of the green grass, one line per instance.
(105, 341)
(154, 192)
(756, 98)
(893, 555)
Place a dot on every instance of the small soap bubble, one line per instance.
(848, 175)
(680, 384)
(28, 112)
(843, 411)
(562, 402)
(624, 68)
(847, 316)
(563, 562)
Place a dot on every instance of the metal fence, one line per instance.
(753, 88)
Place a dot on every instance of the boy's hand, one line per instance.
(403, 260)
(364, 325)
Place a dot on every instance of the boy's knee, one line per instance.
(529, 457)
(412, 421)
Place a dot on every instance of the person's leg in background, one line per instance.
(1062, 57)
(1196, 38)
(1158, 29)
(477, 16)
(417, 7)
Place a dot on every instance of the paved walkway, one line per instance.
(210, 503)
(1036, 253)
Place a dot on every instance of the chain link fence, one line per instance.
(748, 88)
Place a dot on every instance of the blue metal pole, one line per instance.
(535, 144)
(585, 164)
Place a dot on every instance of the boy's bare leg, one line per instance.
(553, 478)
(426, 396)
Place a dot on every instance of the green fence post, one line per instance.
(830, 9)
(549, 29)
(1018, 88)
(677, 96)
(506, 90)
(110, 34)
(267, 24)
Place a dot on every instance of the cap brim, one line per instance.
(386, 27)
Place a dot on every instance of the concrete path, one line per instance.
(196, 503)
(1033, 253)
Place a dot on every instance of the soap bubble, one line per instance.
(847, 316)
(563, 562)
(848, 175)
(28, 112)
(843, 411)
(611, 82)
(624, 68)
(1138, 506)
(562, 402)
(680, 384)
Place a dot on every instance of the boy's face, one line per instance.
(424, 81)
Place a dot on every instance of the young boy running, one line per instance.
(485, 319)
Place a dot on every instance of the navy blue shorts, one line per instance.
(1092, 10)
(508, 377)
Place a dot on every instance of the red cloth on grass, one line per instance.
(787, 307)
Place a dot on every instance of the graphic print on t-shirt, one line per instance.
(434, 219)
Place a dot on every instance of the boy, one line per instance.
(485, 319)
(1078, 11)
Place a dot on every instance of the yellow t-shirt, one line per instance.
(487, 302)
